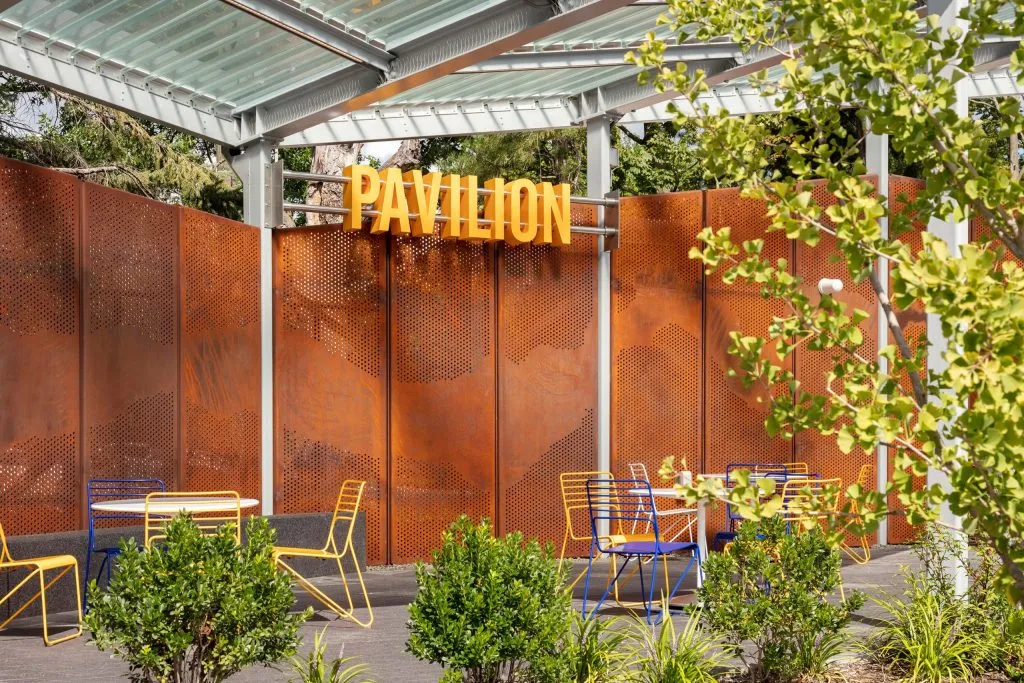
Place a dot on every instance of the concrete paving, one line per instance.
(23, 657)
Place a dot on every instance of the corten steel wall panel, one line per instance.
(734, 429)
(330, 373)
(130, 337)
(657, 397)
(979, 231)
(442, 389)
(547, 378)
(220, 354)
(39, 350)
(903, 190)
(812, 264)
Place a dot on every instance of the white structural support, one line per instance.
(253, 166)
(956, 234)
(599, 183)
(876, 153)
(604, 56)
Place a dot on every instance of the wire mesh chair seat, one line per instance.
(619, 503)
(684, 519)
(37, 567)
(105, 490)
(346, 509)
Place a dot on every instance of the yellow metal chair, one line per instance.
(345, 510)
(163, 506)
(797, 468)
(861, 553)
(798, 495)
(574, 502)
(38, 566)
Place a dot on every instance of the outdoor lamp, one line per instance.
(828, 286)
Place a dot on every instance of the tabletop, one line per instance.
(173, 506)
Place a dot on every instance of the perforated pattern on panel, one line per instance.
(330, 381)
(915, 325)
(442, 390)
(979, 230)
(547, 377)
(812, 367)
(39, 341)
(130, 345)
(656, 330)
(220, 359)
(734, 416)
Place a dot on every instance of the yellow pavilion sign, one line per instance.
(411, 203)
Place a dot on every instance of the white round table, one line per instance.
(172, 506)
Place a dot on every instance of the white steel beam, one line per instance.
(573, 59)
(876, 157)
(303, 22)
(487, 34)
(956, 234)
(120, 93)
(599, 183)
(253, 167)
(400, 123)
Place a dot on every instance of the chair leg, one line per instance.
(88, 565)
(328, 601)
(604, 596)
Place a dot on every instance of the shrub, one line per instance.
(933, 634)
(197, 608)
(769, 589)
(316, 669)
(662, 656)
(488, 607)
(593, 651)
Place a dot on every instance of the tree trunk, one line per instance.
(329, 160)
(407, 156)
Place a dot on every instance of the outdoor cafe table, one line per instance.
(171, 507)
(702, 511)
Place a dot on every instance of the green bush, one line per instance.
(196, 608)
(489, 607)
(769, 590)
(592, 652)
(662, 656)
(932, 634)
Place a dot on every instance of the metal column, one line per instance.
(253, 167)
(599, 182)
(876, 153)
(956, 234)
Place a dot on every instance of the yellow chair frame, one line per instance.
(797, 468)
(349, 498)
(155, 523)
(574, 498)
(38, 566)
(861, 554)
(802, 490)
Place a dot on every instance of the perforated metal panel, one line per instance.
(130, 361)
(330, 373)
(442, 389)
(220, 354)
(812, 367)
(39, 350)
(734, 417)
(979, 230)
(915, 324)
(547, 378)
(657, 397)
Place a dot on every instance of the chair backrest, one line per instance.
(621, 503)
(162, 506)
(797, 468)
(104, 490)
(345, 510)
(638, 470)
(798, 494)
(574, 499)
(866, 477)
(5, 553)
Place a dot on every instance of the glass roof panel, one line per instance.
(206, 46)
(513, 85)
(623, 26)
(393, 22)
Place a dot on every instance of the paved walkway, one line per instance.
(23, 658)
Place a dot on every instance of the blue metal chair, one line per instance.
(777, 471)
(621, 503)
(98, 491)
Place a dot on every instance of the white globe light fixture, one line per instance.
(829, 286)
